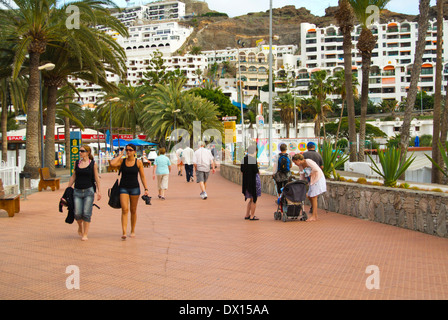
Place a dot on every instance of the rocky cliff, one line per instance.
(214, 33)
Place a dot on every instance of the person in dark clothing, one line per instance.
(313, 154)
(251, 182)
(86, 180)
(131, 168)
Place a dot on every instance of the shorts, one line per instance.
(130, 191)
(202, 176)
(162, 181)
(83, 199)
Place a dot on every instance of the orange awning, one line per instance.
(392, 24)
(389, 68)
(426, 65)
(312, 30)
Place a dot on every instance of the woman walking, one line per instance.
(251, 182)
(311, 171)
(86, 180)
(130, 168)
(162, 169)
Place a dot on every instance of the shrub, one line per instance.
(362, 180)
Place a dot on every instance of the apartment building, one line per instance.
(392, 58)
(252, 64)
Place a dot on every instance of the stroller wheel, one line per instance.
(277, 215)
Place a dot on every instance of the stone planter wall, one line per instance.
(416, 210)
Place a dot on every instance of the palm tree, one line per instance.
(318, 110)
(320, 86)
(415, 75)
(30, 27)
(366, 44)
(126, 113)
(286, 104)
(338, 84)
(158, 117)
(345, 17)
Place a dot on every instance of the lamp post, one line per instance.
(48, 66)
(241, 96)
(110, 124)
(270, 83)
(174, 112)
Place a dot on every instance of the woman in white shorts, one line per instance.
(311, 171)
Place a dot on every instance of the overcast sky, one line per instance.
(317, 7)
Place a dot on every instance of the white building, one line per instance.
(392, 58)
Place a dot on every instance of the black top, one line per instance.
(315, 156)
(84, 176)
(129, 178)
(249, 168)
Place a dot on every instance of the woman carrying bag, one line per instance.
(85, 176)
(130, 168)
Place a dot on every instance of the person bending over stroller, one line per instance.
(310, 171)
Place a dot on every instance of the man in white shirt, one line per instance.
(187, 159)
(202, 161)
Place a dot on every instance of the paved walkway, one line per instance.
(193, 249)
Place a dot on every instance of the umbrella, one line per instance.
(139, 142)
(122, 142)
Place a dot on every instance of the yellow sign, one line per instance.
(230, 131)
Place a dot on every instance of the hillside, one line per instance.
(214, 33)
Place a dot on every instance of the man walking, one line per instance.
(203, 160)
(187, 159)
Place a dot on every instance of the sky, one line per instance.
(317, 7)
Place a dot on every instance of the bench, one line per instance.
(9, 202)
(112, 168)
(47, 181)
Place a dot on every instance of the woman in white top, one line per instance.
(311, 171)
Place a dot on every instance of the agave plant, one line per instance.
(444, 154)
(333, 158)
(393, 165)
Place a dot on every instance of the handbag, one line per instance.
(114, 194)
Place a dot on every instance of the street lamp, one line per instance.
(174, 113)
(48, 66)
(270, 83)
(116, 99)
(240, 86)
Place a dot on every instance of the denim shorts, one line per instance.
(83, 199)
(130, 191)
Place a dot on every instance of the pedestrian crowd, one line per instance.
(197, 166)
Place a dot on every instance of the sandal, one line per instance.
(246, 218)
(254, 218)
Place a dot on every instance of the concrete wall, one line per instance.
(416, 210)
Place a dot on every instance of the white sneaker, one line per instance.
(202, 195)
(205, 195)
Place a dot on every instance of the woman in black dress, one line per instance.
(251, 182)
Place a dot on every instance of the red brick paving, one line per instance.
(188, 248)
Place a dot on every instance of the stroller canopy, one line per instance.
(295, 191)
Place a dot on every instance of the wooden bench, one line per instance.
(47, 181)
(112, 168)
(9, 202)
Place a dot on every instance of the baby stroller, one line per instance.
(291, 202)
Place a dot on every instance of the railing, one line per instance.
(9, 173)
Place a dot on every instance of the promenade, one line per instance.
(191, 249)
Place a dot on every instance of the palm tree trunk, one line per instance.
(345, 20)
(436, 175)
(366, 57)
(4, 122)
(415, 76)
(49, 133)
(32, 162)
